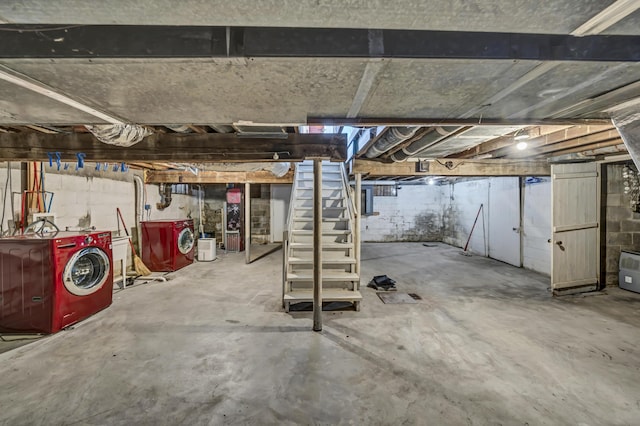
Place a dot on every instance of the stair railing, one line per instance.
(351, 206)
(287, 233)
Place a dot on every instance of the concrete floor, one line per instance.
(486, 345)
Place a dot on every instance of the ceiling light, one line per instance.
(521, 146)
(431, 181)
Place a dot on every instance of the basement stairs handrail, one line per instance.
(351, 207)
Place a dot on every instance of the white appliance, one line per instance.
(629, 273)
(120, 252)
(206, 249)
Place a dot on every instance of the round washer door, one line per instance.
(86, 272)
(185, 241)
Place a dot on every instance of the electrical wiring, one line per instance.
(450, 164)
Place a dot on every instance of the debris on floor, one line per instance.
(382, 282)
(396, 298)
(429, 245)
(415, 296)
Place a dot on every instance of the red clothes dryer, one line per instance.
(167, 245)
(51, 281)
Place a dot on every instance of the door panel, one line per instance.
(575, 219)
(504, 220)
(280, 198)
(574, 264)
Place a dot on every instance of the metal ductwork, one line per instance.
(393, 137)
(424, 142)
(179, 128)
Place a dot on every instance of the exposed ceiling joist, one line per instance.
(175, 147)
(453, 167)
(212, 177)
(613, 14)
(197, 129)
(569, 138)
(544, 135)
(595, 146)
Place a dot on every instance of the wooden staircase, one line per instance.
(340, 276)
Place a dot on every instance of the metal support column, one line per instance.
(358, 200)
(247, 223)
(317, 245)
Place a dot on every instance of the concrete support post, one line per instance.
(247, 223)
(317, 245)
(356, 242)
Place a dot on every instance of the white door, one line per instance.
(575, 259)
(504, 219)
(280, 197)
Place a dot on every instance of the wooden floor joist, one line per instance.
(211, 177)
(175, 147)
(454, 167)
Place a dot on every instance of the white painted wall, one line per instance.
(504, 220)
(81, 201)
(462, 201)
(182, 206)
(415, 214)
(279, 205)
(461, 206)
(536, 226)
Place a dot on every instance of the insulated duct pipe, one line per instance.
(424, 142)
(390, 139)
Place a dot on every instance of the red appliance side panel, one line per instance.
(69, 308)
(26, 283)
(157, 245)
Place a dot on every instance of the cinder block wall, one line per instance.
(621, 224)
(415, 214)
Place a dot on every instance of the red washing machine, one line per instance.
(167, 245)
(51, 281)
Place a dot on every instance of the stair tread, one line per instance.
(323, 179)
(294, 260)
(327, 294)
(326, 276)
(323, 198)
(324, 245)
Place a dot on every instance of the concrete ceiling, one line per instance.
(222, 91)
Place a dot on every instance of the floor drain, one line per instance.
(415, 296)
